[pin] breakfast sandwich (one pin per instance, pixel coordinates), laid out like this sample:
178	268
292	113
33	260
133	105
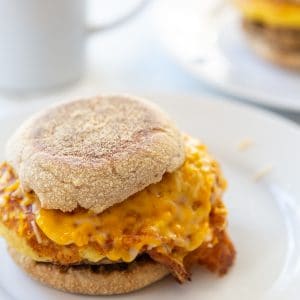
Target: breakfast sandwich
273	29
106	196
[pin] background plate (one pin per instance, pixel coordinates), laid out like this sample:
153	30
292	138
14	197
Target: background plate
205	38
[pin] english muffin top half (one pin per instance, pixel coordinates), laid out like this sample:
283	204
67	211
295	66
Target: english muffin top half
94	153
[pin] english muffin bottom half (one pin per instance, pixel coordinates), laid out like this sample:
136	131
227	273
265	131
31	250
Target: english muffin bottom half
273	29
106	196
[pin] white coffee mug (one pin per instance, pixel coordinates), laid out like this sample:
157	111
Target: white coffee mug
42	42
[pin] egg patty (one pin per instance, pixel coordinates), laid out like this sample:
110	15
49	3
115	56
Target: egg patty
177	222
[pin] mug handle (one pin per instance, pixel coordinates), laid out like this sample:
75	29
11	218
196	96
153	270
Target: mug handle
118	21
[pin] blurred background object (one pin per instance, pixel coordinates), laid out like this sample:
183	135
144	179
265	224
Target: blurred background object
43	42
273	29
178	46
206	38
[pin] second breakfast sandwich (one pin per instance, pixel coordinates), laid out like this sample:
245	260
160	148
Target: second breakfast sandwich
105	196
273	29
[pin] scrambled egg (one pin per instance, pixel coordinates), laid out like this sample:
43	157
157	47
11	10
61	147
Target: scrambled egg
274	13
172	218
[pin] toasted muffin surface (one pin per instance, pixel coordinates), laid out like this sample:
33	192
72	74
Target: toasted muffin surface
84	280
94	153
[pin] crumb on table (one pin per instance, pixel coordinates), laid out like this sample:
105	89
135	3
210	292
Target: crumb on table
262	172
245	144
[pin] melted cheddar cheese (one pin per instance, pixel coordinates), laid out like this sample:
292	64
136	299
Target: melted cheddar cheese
173	213
275	13
171	216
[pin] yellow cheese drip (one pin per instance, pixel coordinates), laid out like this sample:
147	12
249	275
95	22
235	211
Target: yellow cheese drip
282	14
171	213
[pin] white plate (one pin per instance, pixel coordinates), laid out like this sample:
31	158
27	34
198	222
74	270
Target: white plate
206	39
264	219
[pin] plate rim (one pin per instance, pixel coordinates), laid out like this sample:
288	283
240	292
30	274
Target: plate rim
264	112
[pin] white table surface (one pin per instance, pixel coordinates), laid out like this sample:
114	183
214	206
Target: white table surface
126	59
